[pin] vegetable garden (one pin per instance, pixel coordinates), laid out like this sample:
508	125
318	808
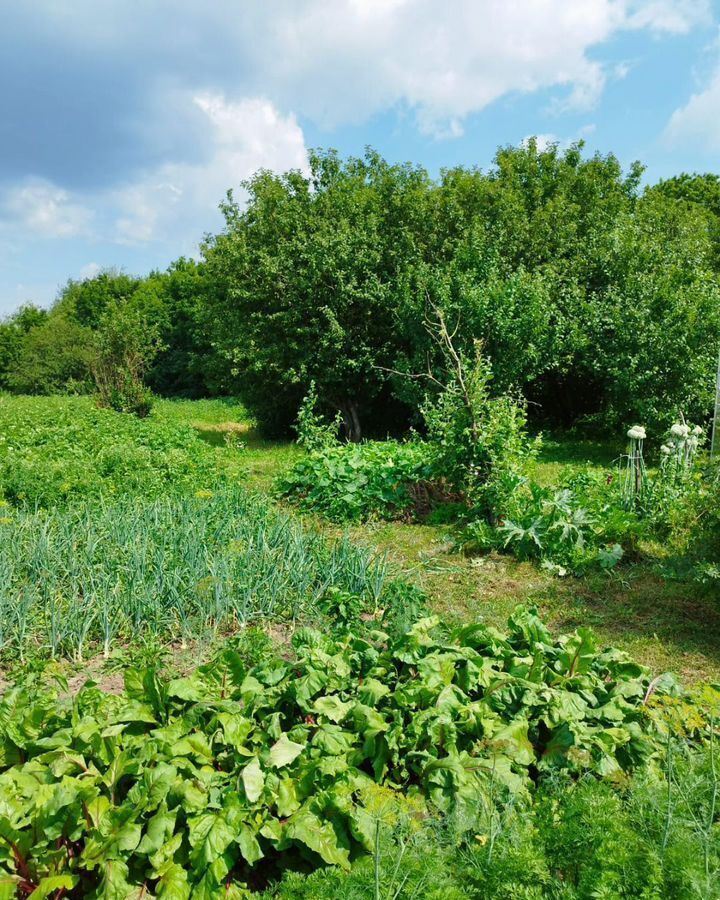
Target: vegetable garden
247	652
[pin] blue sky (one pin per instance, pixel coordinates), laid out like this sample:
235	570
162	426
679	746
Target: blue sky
122	124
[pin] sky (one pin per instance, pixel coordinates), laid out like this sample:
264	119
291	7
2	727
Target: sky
124	122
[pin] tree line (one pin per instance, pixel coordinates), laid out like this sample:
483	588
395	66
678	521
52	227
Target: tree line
595	298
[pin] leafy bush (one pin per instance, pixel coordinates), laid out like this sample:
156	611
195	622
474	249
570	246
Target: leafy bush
357	481
99	574
570	528
203	783
475	450
54	357
480	441
126	343
54	449
313	430
694	525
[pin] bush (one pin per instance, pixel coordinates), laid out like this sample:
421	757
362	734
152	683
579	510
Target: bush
126	343
480	442
694	524
54	357
358	481
313	430
570	528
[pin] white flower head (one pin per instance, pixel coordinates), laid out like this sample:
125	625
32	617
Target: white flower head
679	430
697	430
665	450
637	433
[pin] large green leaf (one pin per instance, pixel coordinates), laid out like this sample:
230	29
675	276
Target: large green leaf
283	752
253	780
52	884
305	827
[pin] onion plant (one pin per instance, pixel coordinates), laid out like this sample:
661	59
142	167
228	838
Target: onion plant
82	579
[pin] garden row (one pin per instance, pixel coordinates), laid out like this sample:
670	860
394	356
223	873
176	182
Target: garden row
490	755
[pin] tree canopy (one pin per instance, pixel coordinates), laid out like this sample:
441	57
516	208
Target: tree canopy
595	298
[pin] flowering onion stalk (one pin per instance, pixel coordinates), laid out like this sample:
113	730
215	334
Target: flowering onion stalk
679	451
634	478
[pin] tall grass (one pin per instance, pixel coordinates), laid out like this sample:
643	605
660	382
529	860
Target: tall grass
180	568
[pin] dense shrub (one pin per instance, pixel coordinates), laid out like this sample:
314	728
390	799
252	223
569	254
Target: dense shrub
695	525
54	357
593	300
358	481
126	342
207	782
12	335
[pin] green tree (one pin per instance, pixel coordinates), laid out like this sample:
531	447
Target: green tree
12	334
701	192
176	300
86	301
307	280
55	357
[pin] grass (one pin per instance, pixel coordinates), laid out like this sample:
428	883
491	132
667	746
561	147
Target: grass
665	624
668	625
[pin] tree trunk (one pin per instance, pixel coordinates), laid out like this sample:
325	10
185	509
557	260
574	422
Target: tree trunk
351	420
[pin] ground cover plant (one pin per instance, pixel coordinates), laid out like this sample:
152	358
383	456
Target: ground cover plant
227	777
53	449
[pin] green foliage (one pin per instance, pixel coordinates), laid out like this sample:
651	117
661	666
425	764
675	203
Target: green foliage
694	525
54	449
171	306
86	302
305	275
595	301
566	530
358	481
200	784
480	442
476	449
54	357
126	343
186	569
12	334
313	430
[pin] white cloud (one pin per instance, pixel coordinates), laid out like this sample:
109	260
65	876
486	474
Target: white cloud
174	201
670	16
342	61
698	122
42	209
244	136
90	270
